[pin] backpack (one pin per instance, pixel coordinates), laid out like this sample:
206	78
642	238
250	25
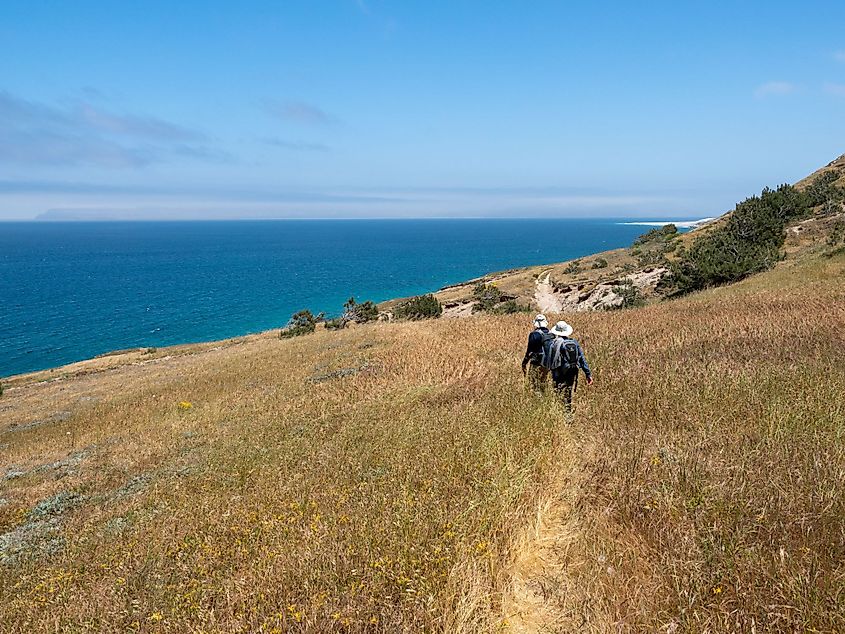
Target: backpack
537	357
560	354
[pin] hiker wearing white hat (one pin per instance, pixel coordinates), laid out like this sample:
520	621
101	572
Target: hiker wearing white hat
532	362
563	357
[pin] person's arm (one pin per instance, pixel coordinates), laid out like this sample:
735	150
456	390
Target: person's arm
527	355
582	363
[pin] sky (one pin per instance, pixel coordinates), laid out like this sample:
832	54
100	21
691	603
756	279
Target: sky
370	108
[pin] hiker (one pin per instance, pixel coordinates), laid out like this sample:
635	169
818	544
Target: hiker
532	362
563	357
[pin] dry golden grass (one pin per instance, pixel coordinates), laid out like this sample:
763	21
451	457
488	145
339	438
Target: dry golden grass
717	461
266	493
699	488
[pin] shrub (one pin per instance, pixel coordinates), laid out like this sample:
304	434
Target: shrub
630	294
486	297
301	323
600	263
573	267
651	247
651	258
823	189
359	313
509	307
334	324
836	237
749	241
831	207
2	389
657	235
421	307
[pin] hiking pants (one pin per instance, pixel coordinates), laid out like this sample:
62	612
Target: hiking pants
564	381
537	377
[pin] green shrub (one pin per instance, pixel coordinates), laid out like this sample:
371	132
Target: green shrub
486	297
630	294
831	207
657	235
651	258
600	263
573	268
421	307
837	234
823	189
334	324
2	389
301	323
359	313
749	241
509	307
651	247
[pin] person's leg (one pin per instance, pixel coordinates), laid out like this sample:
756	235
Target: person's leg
537	377
563	382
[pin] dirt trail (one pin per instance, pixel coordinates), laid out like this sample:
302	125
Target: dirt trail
548	300
543	594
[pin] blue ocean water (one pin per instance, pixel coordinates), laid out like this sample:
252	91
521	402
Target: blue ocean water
70	291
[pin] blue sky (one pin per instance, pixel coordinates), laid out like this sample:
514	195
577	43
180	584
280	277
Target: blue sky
373	108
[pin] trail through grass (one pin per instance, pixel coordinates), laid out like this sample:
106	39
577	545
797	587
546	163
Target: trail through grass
388	478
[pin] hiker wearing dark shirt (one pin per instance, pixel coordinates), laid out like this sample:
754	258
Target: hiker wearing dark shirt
532	362
564	357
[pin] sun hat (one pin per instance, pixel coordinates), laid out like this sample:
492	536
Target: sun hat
562	329
540	321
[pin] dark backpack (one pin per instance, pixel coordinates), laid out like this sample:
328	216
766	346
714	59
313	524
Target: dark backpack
537	357
560	354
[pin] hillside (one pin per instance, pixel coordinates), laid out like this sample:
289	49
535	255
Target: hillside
398	476
600	281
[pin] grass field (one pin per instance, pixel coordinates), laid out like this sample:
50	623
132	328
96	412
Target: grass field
397	477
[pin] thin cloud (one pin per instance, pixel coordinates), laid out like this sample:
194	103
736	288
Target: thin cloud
46	147
839	56
774	88
834	89
298	112
135	126
300	146
82	134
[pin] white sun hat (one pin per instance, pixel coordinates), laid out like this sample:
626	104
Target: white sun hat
562	329
540	321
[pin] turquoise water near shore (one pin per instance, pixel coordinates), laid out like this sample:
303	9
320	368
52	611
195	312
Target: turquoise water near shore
70	291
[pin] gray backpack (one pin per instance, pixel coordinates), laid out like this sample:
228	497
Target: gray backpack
560	354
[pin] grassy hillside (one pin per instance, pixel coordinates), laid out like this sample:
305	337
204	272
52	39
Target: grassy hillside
397	477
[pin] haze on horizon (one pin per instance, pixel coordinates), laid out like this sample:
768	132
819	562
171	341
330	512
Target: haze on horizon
374	108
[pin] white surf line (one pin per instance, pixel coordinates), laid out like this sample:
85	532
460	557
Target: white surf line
681	224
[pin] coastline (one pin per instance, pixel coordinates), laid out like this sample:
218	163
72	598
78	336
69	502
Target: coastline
519	282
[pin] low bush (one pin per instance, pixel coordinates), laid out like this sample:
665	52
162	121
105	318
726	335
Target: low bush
658	235
749	241
421	307
486	296
630	294
511	306
573	268
301	323
823	189
600	263
359	313
334	324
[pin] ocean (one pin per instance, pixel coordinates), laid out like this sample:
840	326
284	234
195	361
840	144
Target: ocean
70	291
